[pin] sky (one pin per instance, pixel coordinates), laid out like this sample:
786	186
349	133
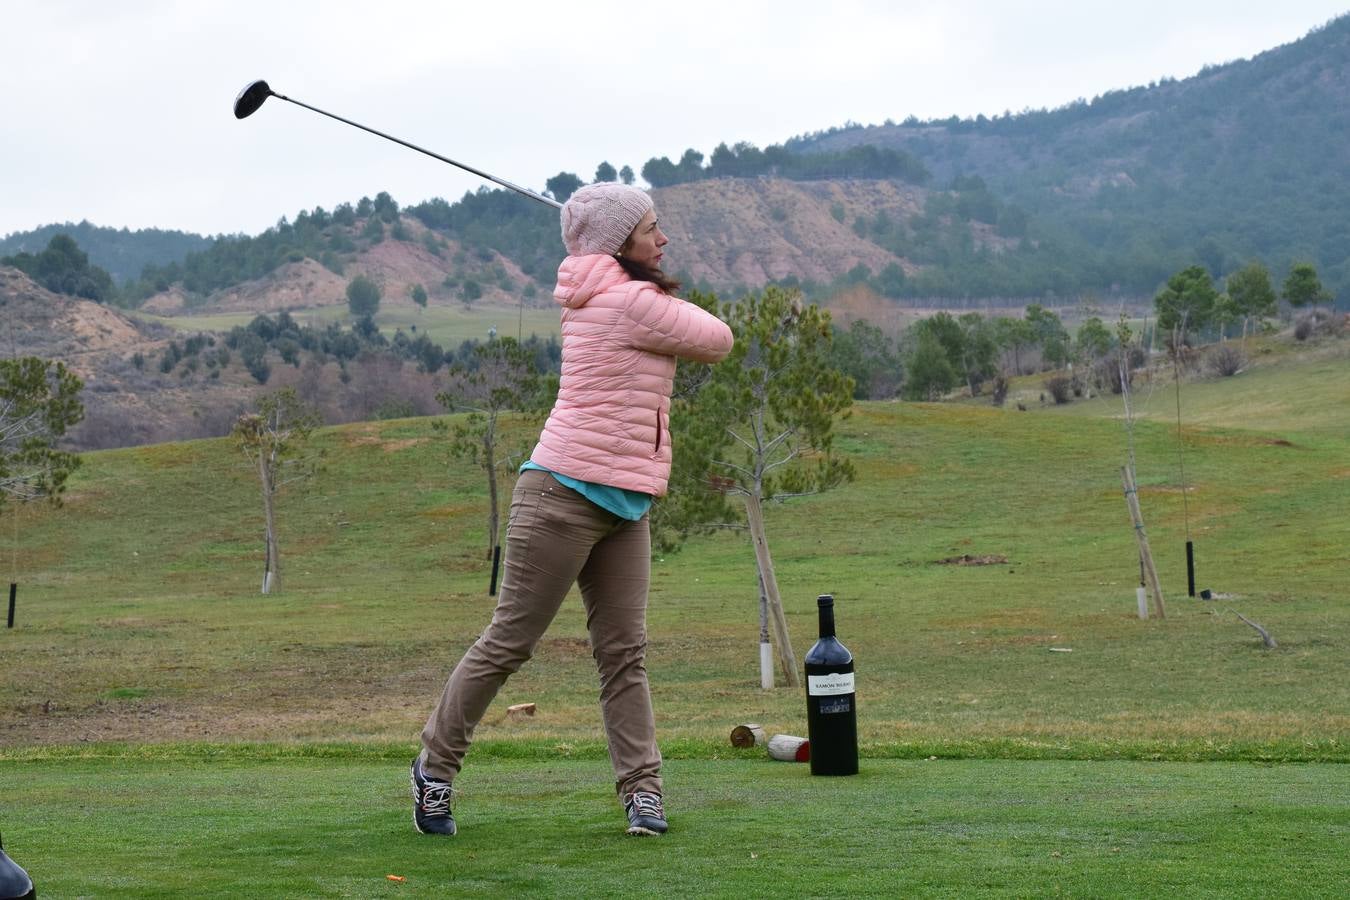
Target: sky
120	113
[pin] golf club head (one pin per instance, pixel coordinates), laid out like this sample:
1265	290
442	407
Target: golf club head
250	98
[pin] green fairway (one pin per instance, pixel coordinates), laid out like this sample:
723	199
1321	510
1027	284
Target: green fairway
445	324
216	826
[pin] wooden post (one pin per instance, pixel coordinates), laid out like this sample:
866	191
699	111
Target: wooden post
1145	555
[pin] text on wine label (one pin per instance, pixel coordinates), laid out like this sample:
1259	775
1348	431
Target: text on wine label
826	685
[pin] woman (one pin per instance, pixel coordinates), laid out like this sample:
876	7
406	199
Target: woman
579	510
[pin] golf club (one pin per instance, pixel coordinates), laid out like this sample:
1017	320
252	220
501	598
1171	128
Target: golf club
256	93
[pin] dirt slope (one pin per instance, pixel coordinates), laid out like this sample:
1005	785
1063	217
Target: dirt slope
750	231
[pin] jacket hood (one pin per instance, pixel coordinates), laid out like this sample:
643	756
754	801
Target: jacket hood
582	277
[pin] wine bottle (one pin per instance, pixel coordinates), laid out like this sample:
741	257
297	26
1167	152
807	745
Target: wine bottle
831	710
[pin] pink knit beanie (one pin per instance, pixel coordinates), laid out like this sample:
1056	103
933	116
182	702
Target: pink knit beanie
599	217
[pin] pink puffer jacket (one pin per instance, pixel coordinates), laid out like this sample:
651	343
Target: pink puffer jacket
620	340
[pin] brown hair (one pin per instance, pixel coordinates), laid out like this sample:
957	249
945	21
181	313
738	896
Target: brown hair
639	272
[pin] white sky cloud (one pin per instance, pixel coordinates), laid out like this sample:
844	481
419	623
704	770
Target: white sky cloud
119	113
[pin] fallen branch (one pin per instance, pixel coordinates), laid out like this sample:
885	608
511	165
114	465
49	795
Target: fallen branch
1265	635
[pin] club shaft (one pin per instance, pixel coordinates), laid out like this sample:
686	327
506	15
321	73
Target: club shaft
481	174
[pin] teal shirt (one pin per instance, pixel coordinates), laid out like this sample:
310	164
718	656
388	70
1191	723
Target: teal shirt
632	505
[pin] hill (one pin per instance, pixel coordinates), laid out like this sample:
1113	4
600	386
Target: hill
120	252
126	401
1236	162
145	382
748	232
308	263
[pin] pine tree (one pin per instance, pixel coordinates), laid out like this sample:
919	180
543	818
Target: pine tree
761	425
1252	295
39	401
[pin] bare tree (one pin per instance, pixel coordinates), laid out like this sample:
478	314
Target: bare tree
274	439
502	376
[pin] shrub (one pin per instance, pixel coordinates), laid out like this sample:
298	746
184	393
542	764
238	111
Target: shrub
1226	360
1106	371
395	409
1060	388
1318	321
999	389
329	260
1186	358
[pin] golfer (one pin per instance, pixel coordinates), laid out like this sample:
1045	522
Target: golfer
579	509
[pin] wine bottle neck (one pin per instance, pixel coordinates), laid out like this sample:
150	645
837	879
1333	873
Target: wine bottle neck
827	621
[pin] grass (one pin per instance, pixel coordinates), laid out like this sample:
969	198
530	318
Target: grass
1283	388
221	826
140	620
448	324
149	691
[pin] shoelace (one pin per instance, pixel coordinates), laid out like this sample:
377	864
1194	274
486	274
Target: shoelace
436	798
645	803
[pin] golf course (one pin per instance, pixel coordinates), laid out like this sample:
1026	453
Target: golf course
166	730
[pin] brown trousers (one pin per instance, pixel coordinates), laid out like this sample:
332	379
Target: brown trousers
554	538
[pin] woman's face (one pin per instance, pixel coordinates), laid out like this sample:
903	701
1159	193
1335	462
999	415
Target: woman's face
644	244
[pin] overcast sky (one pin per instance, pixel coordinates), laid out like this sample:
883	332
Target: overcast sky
120	113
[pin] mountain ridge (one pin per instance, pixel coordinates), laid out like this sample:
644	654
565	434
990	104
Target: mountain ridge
1108	197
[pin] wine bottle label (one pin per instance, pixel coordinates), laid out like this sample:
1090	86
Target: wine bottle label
827	685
